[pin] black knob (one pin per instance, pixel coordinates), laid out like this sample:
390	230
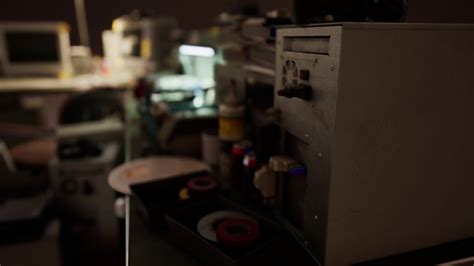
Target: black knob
301	91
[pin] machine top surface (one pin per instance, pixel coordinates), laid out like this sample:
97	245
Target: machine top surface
377	25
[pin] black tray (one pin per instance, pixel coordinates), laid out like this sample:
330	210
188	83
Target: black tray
158	197
275	246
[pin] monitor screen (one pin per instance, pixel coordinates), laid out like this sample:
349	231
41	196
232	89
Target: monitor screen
28	47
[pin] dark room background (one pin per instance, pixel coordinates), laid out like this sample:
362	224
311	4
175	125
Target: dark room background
195	14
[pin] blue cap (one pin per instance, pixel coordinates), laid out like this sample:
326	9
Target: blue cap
299	170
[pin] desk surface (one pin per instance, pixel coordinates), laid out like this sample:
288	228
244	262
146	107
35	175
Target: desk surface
79	83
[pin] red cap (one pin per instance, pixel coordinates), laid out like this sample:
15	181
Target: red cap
238	149
250	160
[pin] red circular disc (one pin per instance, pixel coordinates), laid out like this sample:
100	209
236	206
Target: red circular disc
205	183
237	233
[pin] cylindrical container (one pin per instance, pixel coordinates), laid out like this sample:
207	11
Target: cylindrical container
231	122
211	147
250	167
225	164
238	153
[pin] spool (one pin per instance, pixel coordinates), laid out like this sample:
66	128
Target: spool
237	233
202	186
206	227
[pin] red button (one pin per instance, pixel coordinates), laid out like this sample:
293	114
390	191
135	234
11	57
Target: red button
304	74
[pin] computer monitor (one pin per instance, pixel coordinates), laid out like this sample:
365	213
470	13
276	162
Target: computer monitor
150	39
35	48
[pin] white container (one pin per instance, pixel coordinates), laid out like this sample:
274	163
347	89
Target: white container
211	146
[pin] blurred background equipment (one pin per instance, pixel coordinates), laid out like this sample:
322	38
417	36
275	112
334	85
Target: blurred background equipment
143	41
35	48
27	214
198	61
81	59
82	26
88	147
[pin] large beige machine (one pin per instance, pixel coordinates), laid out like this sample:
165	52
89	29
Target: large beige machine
383	117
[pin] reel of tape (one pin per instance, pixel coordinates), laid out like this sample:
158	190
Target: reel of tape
238	233
202	186
208	224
